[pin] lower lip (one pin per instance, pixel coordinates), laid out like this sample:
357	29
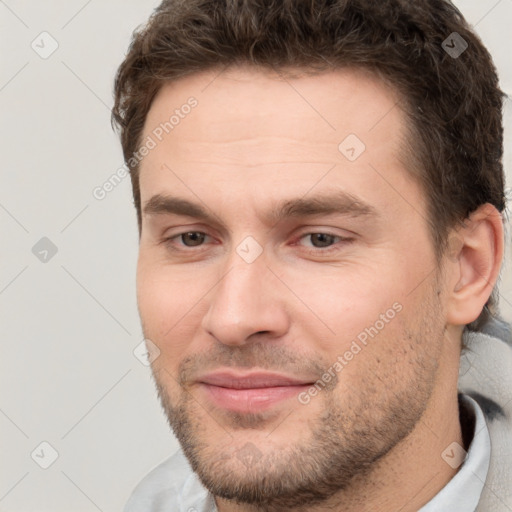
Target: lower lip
250	400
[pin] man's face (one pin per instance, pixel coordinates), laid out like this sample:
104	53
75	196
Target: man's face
249	308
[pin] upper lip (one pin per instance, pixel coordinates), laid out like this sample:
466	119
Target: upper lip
230	379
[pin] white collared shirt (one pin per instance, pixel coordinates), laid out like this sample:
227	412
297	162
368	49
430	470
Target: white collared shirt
462	492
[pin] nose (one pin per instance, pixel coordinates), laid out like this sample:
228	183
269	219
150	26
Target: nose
248	300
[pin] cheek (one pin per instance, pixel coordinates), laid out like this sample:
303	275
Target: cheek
170	309
344	304
379	363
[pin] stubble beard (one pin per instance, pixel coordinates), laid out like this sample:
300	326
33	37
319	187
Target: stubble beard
344	441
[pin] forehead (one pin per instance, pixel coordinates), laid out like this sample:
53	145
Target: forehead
276	133
251	103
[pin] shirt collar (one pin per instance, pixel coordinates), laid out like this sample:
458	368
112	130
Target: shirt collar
463	491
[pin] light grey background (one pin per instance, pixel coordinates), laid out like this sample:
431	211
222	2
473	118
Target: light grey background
68	375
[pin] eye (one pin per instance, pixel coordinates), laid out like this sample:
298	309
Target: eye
188	239
323	242
194	237
322	239
320	242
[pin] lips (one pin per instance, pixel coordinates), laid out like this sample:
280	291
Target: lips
252	380
250	392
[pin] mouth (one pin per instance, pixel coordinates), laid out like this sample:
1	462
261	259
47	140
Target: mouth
250	392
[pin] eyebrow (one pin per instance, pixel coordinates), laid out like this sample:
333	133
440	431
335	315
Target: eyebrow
330	203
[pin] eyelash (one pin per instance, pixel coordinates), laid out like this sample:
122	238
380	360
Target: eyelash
169	242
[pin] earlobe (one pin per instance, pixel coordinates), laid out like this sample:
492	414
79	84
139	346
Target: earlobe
476	256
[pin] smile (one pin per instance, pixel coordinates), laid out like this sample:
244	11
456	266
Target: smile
250	393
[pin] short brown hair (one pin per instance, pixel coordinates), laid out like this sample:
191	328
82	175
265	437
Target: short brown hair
452	102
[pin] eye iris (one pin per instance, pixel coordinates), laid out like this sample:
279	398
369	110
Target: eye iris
194	236
324	239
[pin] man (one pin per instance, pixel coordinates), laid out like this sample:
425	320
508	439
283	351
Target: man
319	193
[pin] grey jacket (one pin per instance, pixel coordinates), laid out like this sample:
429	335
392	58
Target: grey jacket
486	376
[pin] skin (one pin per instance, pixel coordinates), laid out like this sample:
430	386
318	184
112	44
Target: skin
372	439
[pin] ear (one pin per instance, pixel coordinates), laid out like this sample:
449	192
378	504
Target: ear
474	263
